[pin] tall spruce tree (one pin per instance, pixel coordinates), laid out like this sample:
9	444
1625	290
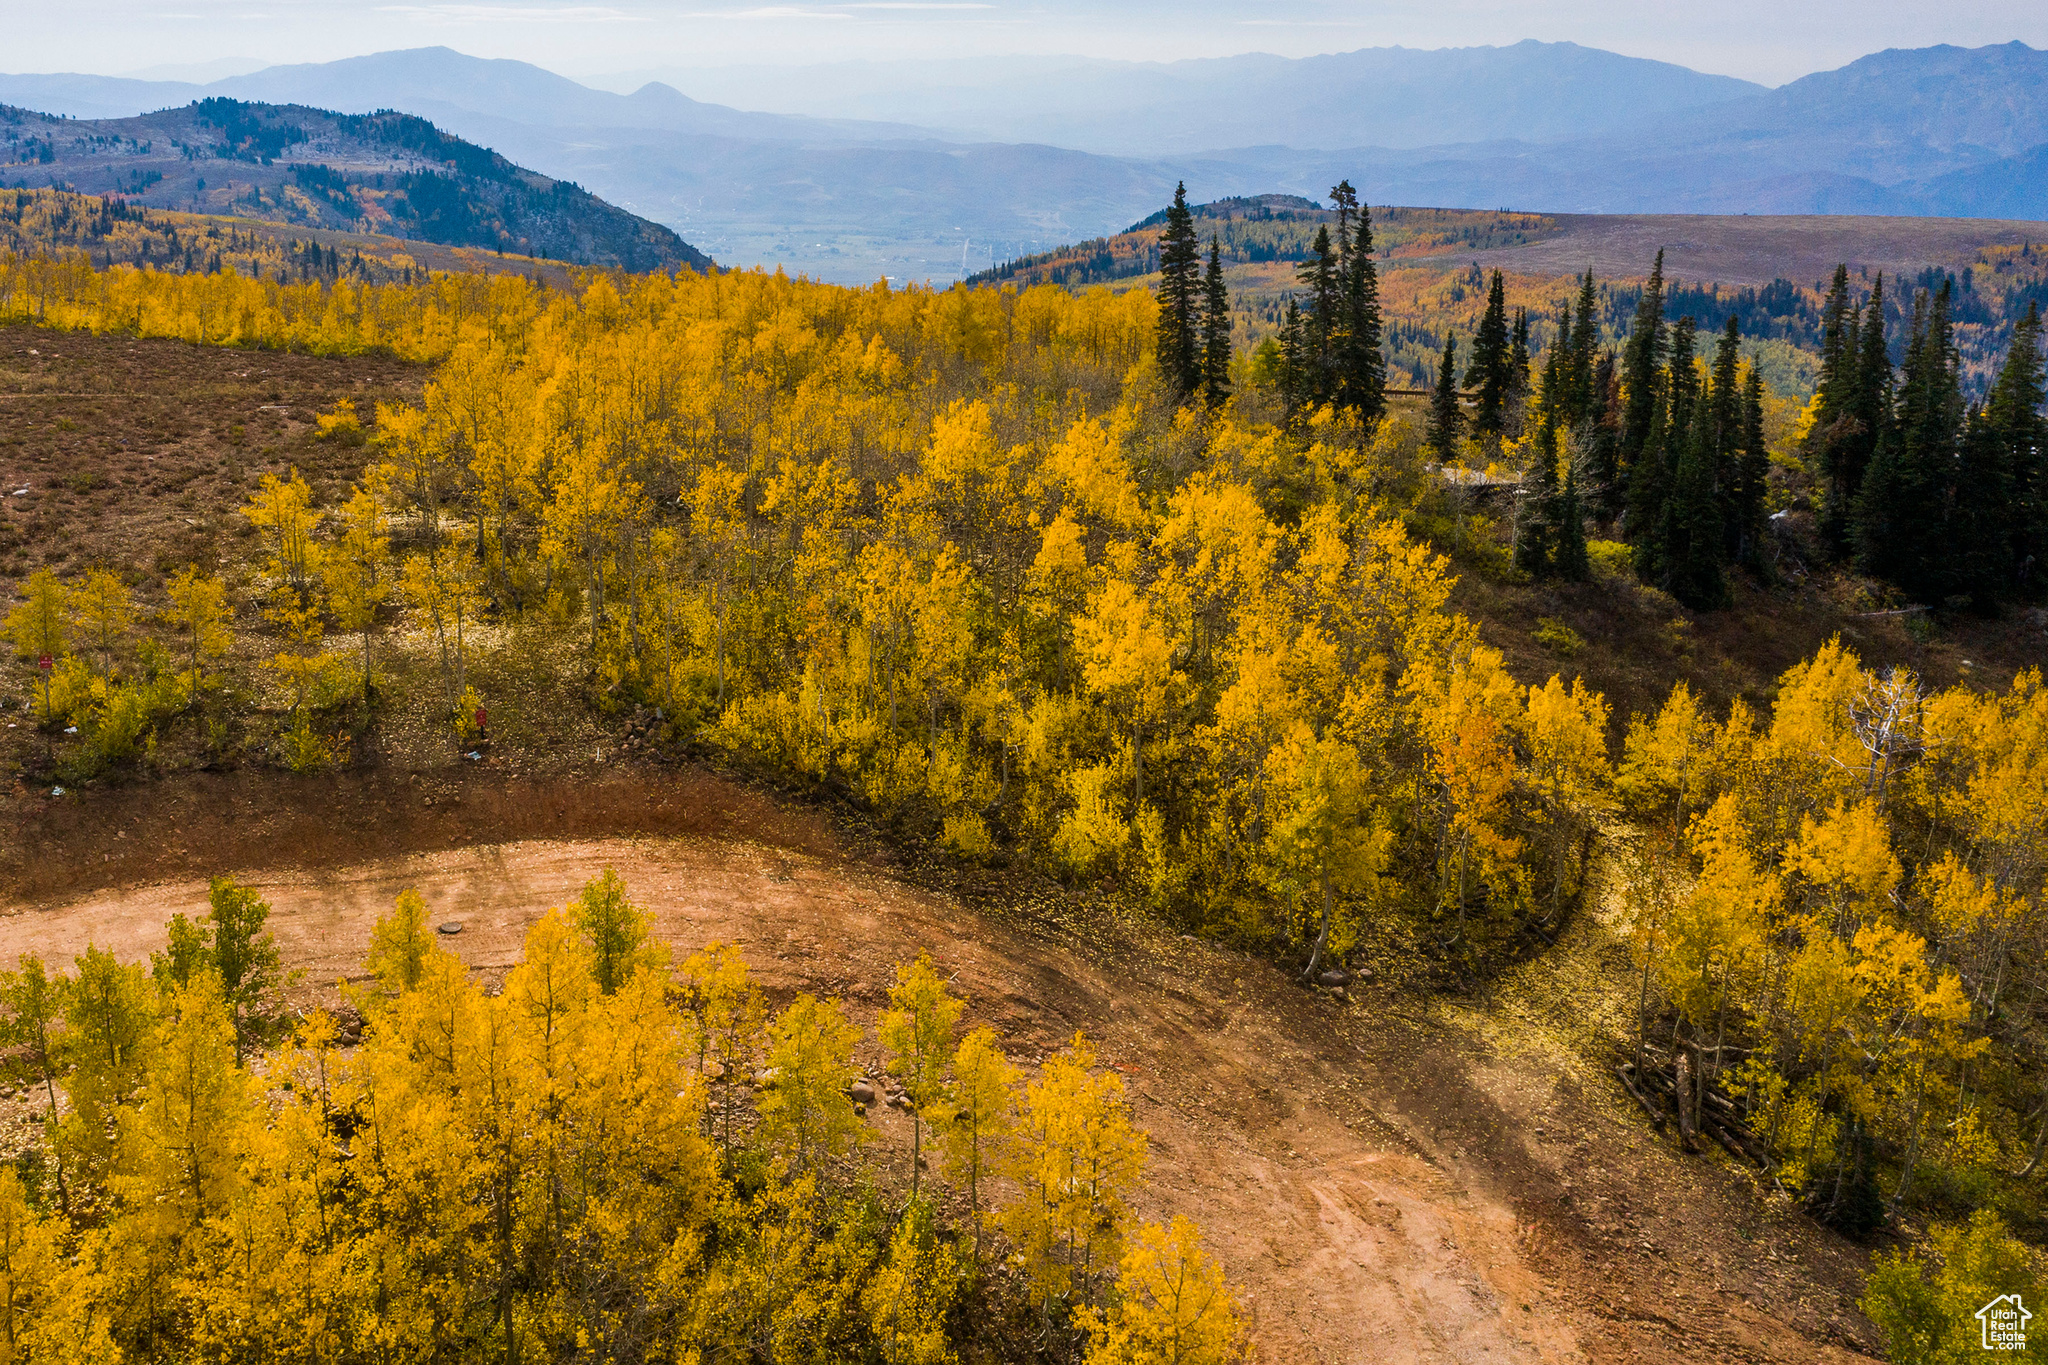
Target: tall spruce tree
1537	509
1582	349
1694	522
1446	420
1362	384
2018	424
1641	357
1603	437
1568	558
1899	518
1977	563
1486	374
1753	468
1321	336
1870	414
1215	331
1180	296
1518	376
1654	511
1724	435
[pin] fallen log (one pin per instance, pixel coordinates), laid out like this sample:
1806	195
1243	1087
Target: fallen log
1651	1108
1686	1094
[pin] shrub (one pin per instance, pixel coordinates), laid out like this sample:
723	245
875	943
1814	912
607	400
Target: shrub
1557	637
1611	558
340	424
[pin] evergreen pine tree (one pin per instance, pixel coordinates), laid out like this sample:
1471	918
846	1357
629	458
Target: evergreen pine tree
1898	525
1215	331
1603	437
1320	321
2014	414
1180	285
1724	437
1693	517
1977	563
1293	367
1831	437
1537	510
1641	357
1582	354
1445	418
1362	383
1753	467
1487	371
1568	554
1518	376
1869	418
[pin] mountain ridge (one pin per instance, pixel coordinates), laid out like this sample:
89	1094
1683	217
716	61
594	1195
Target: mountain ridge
315	168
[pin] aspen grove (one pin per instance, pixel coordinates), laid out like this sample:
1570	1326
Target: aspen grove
965	559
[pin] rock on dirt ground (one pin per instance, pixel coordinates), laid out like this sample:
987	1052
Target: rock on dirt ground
1381	1181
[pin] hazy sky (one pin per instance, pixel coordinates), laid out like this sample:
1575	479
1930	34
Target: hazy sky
1764	40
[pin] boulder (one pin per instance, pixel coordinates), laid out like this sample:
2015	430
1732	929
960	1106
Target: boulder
862	1093
1333	978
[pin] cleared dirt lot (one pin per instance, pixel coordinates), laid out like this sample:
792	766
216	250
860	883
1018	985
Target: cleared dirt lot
1388	1180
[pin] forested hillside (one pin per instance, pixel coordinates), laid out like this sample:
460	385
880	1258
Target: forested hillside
1432	286
1062	585
382	173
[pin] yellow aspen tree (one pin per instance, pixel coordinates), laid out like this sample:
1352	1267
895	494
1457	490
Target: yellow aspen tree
109	1017
1127	658
27	1269
283	508
731	1012
1565	735
1076	1157
1715	940
418	464
187	1147
102	613
199	614
445	589
358	569
34	1005
1324	833
917	1029
616	932
718	520
910	1293
979	1113
1172	1306
805	1113
1665	760
1475	772
37	626
400	943
1846	863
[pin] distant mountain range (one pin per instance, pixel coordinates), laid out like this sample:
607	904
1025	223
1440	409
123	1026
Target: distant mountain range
388	173
951	166
1383	97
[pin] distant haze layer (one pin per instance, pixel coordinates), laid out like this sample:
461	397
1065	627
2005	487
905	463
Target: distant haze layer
932	170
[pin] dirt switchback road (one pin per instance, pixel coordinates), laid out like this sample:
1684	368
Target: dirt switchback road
1382	1184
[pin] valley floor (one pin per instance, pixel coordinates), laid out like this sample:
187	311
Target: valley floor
1390	1179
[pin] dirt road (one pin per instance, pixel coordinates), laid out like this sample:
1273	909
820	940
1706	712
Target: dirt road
1382	1183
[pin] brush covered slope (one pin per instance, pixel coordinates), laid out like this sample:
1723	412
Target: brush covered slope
384	173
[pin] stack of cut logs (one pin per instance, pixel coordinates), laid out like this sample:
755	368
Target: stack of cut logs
1675	1089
